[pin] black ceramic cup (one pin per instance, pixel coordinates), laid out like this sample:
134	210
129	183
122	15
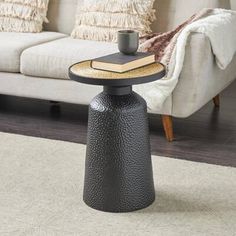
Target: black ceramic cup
128	41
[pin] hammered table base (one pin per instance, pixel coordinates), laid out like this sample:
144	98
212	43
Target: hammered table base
118	171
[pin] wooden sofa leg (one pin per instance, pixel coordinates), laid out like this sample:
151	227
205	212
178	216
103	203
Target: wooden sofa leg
168	127
216	101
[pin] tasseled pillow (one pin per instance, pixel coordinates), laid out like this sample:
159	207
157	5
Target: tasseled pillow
101	19
23	15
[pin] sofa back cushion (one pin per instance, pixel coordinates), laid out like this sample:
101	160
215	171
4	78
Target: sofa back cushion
61	15
170	13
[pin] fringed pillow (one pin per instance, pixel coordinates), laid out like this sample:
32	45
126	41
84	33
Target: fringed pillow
101	19
23	15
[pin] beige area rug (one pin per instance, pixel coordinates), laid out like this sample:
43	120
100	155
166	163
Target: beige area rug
41	183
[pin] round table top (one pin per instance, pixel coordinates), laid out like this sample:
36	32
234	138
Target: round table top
84	73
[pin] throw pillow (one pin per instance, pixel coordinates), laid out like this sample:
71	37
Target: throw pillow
101	19
23	15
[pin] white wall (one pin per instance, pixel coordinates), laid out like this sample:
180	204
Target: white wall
233	4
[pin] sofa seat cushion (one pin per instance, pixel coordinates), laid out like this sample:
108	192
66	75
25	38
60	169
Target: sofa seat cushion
53	59
13	44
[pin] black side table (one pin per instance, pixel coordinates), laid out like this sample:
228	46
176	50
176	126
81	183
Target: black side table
118	169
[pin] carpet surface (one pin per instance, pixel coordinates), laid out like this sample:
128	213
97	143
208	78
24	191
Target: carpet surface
41	184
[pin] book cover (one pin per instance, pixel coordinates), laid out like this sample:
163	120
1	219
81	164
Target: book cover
120	63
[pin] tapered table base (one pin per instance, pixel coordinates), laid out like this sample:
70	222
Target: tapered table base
118	172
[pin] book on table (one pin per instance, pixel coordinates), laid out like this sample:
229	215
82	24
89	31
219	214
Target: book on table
121	63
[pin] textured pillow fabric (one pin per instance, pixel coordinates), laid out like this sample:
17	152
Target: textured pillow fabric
23	15
101	19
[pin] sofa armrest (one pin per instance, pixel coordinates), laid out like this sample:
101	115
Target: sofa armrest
201	79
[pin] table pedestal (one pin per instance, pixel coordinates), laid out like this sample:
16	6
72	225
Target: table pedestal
118	172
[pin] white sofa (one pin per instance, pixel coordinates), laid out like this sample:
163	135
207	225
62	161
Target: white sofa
36	65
